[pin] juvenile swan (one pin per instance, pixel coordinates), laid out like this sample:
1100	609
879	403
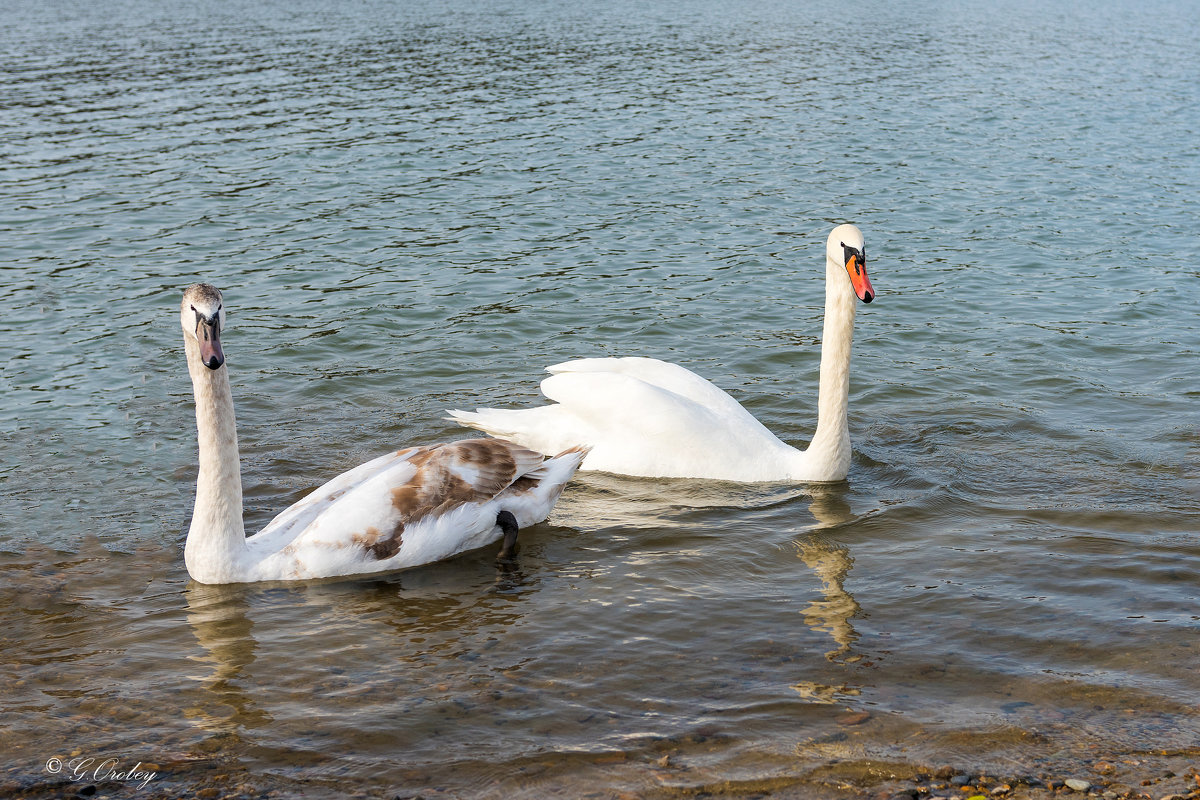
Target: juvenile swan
406	508
642	416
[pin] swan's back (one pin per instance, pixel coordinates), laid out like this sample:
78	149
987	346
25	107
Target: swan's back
663	374
639	416
410	507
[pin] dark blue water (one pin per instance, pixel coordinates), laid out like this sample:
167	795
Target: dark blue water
414	207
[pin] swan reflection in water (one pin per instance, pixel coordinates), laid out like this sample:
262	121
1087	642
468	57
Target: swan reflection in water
219	619
832	563
600	500
433	611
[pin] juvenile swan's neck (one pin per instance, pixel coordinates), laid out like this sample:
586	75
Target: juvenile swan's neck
216	542
828	455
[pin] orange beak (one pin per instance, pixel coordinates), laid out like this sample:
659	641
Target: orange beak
857	269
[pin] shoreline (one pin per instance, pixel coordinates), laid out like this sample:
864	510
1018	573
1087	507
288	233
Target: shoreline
1169	775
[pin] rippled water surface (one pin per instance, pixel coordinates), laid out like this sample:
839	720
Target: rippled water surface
414	207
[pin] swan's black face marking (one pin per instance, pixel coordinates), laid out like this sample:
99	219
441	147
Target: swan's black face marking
860	258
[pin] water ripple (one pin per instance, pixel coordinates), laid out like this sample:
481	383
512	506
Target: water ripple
418	207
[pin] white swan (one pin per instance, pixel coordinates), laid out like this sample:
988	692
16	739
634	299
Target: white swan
400	510
641	416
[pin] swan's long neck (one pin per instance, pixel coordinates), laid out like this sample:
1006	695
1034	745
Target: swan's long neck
216	542
828	455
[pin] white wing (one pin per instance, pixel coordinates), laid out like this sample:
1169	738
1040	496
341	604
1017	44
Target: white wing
639	416
300	515
407	508
665	375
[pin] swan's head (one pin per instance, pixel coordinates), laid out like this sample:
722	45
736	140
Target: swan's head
845	246
202	317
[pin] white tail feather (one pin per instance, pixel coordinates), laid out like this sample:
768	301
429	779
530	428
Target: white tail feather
536	428
480	420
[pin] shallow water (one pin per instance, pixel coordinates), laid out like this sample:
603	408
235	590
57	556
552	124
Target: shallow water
413	208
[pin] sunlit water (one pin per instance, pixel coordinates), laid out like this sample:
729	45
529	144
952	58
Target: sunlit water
417	207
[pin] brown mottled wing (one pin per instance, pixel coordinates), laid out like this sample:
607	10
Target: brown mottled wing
454	474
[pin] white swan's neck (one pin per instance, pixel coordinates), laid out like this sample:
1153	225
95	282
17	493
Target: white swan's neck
828	455
216	542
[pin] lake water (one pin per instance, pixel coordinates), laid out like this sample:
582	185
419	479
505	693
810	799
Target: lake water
417	206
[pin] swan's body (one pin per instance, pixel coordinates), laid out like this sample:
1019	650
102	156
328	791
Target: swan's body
641	416
403	509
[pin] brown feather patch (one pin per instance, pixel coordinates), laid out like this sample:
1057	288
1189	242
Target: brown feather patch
524	485
449	476
379	546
